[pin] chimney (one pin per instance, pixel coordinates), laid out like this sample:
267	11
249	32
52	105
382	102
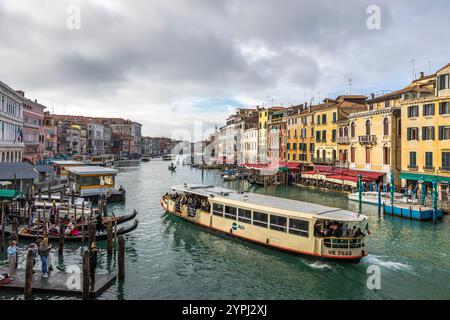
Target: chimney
372	95
422	74
20	92
35	100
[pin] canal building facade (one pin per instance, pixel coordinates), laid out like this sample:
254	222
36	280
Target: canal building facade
426	136
11	125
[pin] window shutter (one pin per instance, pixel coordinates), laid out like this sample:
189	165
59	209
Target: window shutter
432	133
408	134
441	133
441	108
424	133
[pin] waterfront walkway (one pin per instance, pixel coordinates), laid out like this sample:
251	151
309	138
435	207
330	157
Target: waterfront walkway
56	284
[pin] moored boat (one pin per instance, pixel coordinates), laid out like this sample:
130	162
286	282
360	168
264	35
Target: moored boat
371	197
145	158
282	224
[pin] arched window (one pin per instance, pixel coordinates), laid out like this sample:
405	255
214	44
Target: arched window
346	132
368	128
386	127
353	130
324	154
334	155
341	132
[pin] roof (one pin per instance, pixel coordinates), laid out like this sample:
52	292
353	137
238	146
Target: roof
18	170
44	168
91	170
444	67
10	194
67	162
265	203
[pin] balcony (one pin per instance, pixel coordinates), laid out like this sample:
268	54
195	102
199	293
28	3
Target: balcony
412	167
367	139
428	168
343	140
322	160
445	169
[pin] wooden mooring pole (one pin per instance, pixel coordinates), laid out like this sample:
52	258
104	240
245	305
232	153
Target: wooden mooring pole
109	238
92	231
62	233
2	244
86	275
29	275
121	258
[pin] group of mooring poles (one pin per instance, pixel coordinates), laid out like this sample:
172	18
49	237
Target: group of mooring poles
112	237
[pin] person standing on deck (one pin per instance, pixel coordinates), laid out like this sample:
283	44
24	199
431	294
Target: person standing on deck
44	250
12	259
93	264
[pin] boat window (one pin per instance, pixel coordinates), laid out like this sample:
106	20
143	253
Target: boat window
245	216
299	227
90	181
108	180
278	223
260	219
218	209
230	212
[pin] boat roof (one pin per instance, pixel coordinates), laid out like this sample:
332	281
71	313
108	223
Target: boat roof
91	170
67	162
264	202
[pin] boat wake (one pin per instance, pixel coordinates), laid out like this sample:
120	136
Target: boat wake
377	260
319	265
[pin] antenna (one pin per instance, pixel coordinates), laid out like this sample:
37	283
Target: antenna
429	67
413	61
350	85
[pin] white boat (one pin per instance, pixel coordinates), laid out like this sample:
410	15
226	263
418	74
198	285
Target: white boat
287	225
168	157
371	197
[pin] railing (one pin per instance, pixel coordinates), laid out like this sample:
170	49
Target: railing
428	168
447	169
412	167
367	139
322	160
343	140
343	243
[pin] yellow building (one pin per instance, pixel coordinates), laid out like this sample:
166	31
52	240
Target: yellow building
375	134
325	118
426	136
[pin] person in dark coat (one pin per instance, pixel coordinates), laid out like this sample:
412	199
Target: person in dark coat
93	264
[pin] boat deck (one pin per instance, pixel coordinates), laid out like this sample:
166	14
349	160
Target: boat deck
56	283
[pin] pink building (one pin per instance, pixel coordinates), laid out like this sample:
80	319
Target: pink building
33	129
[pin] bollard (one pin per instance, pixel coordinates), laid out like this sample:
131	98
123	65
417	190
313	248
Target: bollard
109	238
86	275
29	275
121	258
62	229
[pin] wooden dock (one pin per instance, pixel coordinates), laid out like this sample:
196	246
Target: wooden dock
56	283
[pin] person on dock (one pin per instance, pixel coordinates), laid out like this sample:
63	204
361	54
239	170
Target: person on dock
99	221
93	264
12	259
44	250
53	213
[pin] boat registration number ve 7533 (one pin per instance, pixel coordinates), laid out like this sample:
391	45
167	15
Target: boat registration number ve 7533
340	252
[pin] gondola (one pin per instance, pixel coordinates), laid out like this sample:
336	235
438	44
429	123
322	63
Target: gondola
79	238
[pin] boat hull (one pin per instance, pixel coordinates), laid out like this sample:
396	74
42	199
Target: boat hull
232	235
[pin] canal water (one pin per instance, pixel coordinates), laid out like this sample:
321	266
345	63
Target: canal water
167	258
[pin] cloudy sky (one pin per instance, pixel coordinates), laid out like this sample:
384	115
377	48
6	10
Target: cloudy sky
173	64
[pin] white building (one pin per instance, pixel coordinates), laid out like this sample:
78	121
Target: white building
250	146
11	125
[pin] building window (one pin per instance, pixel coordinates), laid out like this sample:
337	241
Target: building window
299	227
386	155
446	161
444	133
427	133
324	136
352	155
353	130
367	155
245	216
333	135
260	219
444	108
429	159
324	119
443	82
334	117
278	223
317	136
428	109
412	159
368	128
413	111
412	134
311	147
386	126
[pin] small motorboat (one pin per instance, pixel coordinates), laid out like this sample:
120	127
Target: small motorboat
172	167
145	158
371	197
